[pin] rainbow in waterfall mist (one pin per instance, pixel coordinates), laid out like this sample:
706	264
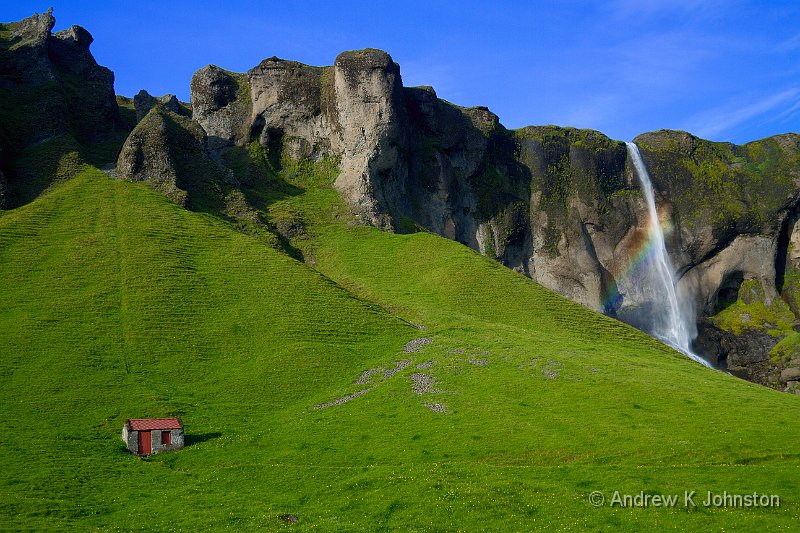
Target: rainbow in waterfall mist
639	252
651	276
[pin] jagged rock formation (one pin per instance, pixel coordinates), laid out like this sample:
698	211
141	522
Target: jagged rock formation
143	102
352	110
54	80
50	86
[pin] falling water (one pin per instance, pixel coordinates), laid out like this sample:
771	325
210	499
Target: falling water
671	324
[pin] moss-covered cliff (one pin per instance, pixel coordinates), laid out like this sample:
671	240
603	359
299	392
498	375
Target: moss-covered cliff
720	190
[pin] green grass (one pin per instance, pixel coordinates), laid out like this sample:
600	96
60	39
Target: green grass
116	303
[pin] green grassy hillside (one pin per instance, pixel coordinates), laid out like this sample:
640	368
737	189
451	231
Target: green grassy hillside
493	404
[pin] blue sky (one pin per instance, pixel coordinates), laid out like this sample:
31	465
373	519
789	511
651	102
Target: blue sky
724	70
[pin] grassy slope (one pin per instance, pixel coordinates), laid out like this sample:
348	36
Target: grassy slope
116	303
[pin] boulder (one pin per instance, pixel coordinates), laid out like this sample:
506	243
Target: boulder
790	374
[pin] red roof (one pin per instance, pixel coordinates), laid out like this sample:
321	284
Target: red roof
147	424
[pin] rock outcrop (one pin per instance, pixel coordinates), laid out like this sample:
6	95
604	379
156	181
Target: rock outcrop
371	134
222	105
54	80
168	151
353	111
291	107
50	86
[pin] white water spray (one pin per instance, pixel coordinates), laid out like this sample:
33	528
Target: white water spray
673	323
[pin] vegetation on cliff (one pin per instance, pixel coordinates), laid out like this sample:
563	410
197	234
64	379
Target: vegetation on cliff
739	189
751	310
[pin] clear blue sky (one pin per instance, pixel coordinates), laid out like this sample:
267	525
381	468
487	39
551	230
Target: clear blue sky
724	70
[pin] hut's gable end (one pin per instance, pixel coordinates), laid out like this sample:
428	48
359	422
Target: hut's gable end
129	437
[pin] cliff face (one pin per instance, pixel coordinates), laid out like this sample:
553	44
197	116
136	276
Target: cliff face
560	205
353	110
730	203
735	211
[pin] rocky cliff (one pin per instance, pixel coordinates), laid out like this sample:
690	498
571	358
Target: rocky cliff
50	88
353	110
560	205
734	210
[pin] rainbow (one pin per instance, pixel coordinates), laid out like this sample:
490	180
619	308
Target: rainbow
639	251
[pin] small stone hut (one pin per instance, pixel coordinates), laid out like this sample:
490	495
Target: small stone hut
146	436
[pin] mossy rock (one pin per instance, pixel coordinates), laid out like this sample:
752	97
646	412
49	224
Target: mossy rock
735	189
752	311
569	165
787	351
168	151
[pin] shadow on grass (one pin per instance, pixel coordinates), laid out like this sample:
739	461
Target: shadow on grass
191	440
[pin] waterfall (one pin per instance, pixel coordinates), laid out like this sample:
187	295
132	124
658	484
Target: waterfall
670	322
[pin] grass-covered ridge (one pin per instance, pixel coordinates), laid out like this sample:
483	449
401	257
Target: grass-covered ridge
117	303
